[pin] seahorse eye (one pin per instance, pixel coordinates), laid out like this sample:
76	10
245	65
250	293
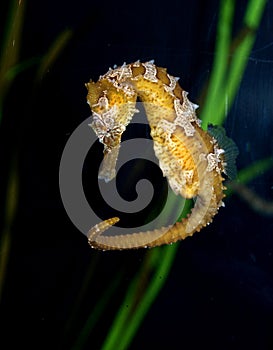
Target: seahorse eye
107	138
111	139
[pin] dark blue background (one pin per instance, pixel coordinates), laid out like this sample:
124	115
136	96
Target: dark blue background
220	290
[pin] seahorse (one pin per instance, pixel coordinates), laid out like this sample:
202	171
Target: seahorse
191	158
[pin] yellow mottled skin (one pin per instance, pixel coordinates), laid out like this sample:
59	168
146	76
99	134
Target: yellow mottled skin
189	157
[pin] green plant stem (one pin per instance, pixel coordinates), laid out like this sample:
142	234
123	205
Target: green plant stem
226	74
10	212
134	308
53	52
241	54
217	77
96	313
10	47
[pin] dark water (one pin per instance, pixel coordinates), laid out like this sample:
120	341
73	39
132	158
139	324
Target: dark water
219	293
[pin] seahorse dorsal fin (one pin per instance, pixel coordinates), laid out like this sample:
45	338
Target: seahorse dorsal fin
230	148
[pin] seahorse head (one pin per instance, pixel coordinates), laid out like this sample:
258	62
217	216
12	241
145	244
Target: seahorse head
112	106
109	106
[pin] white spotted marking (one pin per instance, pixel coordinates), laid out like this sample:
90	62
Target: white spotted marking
150	72
169	88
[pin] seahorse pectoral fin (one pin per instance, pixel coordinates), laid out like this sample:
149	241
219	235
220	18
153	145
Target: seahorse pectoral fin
230	149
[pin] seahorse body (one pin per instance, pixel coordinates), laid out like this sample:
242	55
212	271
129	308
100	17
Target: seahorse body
189	157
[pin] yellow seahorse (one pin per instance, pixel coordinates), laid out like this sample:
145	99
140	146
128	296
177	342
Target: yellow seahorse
192	159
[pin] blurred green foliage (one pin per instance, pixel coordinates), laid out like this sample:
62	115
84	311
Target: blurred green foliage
231	55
